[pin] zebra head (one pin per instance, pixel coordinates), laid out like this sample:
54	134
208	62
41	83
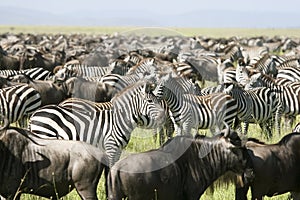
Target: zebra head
255	81
138	106
151	113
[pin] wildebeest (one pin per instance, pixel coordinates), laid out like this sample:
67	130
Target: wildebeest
50	92
275	167
94	91
181	169
48	168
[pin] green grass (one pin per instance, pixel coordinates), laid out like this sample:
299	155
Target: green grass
208	32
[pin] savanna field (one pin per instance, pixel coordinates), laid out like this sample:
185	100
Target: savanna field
141	139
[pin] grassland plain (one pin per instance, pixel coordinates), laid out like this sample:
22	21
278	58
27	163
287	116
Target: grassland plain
142	140
209	32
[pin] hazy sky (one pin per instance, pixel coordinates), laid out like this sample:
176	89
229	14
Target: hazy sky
59	6
282	11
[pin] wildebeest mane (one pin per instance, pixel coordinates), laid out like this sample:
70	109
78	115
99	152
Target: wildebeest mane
27	134
287	138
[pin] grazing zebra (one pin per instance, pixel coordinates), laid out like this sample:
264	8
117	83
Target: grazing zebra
82	71
259	105
16	102
192	111
289	96
108	129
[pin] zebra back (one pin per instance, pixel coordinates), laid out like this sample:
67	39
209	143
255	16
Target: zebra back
18	100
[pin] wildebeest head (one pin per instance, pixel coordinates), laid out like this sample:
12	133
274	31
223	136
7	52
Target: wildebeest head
227	145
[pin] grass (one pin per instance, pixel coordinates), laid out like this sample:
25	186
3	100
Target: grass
208	32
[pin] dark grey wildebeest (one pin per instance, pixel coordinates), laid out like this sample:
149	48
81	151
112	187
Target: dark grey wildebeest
275	167
47	168
181	169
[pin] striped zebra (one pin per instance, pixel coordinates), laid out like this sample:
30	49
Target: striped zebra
145	65
83	105
81	71
232	52
192	111
17	102
289	73
288	95
120	82
226	71
108	129
259	105
36	73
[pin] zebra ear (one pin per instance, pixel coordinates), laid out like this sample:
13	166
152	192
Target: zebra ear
149	87
228	88
227	130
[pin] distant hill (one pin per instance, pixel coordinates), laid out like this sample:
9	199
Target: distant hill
201	18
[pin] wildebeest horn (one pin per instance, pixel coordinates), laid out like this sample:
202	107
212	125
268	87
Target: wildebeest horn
227	130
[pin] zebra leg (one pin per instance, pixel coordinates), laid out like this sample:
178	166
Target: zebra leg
278	115
246	125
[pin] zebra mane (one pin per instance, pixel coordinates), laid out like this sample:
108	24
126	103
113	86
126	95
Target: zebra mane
264	77
133	87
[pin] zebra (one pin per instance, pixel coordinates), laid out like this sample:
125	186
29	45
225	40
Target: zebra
18	101
289	73
120	82
288	94
145	65
212	89
226	72
259	105
189	111
83	105
107	129
36	73
82	71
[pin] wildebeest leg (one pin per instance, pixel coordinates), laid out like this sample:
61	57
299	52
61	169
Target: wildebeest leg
295	195
241	192
106	172
86	183
87	192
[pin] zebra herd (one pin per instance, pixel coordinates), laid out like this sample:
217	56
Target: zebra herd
162	91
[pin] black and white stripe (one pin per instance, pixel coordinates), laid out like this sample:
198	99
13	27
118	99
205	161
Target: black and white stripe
259	105
289	96
81	71
108	129
18	101
36	73
192	111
